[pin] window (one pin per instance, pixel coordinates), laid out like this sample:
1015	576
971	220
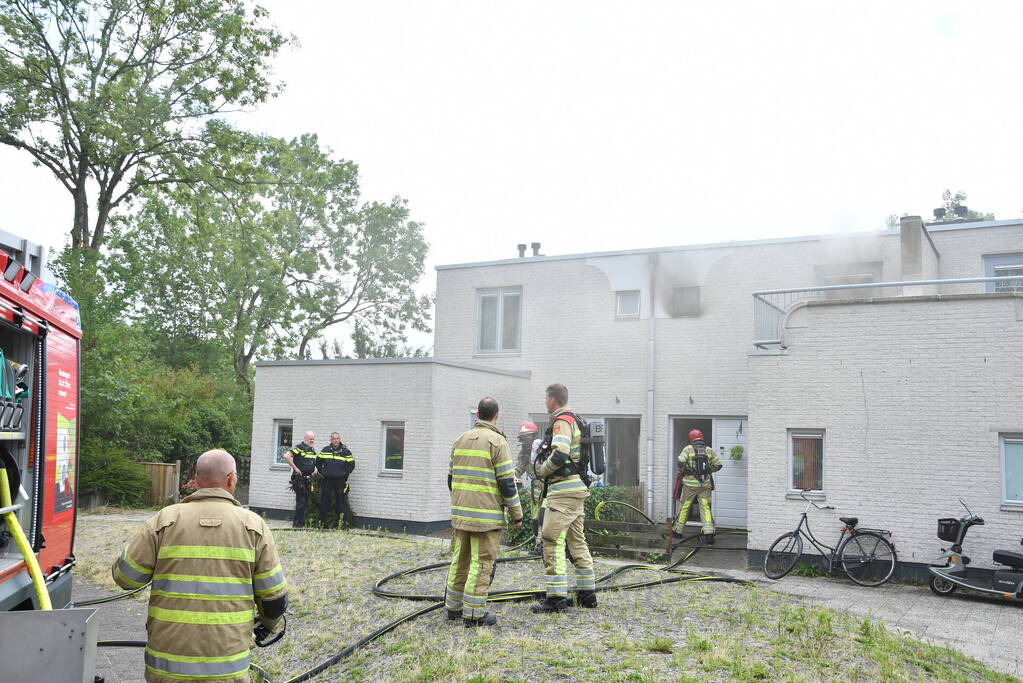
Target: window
394	446
1012	468
283	439
627	304
850	274
1004	265
498	316
806	458
685	302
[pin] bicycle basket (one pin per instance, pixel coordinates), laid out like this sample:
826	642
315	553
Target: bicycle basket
948	529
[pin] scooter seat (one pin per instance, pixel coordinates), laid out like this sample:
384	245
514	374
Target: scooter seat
851	521
1009	558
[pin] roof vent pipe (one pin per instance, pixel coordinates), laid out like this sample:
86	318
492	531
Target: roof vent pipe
536	248
522	250
939	215
961	211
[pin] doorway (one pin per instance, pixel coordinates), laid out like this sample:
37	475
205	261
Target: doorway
729	500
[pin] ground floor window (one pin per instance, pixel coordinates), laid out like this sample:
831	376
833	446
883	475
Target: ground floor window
394	446
283	439
806	460
1012	468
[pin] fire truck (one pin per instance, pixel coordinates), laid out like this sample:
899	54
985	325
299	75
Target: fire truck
40	333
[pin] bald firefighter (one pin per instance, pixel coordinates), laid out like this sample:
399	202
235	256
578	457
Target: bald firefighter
209	560
697	464
563	509
481	478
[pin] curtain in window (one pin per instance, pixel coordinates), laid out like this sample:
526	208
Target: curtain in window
807	463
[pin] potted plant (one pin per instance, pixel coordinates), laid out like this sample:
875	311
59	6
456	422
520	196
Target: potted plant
737	452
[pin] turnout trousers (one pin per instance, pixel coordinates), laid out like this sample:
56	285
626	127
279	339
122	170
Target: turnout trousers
701	495
563	528
472	569
333	494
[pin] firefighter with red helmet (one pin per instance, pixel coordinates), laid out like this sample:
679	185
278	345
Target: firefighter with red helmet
696	466
528	433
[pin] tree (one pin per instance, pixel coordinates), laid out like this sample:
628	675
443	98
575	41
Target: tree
367	347
111	95
261	267
953	201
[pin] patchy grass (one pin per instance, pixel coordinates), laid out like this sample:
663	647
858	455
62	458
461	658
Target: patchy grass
683	631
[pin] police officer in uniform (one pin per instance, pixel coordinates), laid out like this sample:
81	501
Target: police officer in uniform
696	464
302	459
563	514
334	463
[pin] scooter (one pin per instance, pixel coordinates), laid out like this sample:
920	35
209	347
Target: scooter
950	570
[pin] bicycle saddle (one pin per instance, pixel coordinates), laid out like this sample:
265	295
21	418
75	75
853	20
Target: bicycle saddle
851	521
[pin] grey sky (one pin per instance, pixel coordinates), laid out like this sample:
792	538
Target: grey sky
598	125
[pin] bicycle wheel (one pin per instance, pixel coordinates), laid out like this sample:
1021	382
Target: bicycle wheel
867	558
783	554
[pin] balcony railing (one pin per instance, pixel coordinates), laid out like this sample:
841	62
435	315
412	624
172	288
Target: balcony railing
770	306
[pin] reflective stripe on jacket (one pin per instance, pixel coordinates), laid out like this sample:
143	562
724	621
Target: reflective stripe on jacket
567	438
335	463
688	455
304	457
480	467
210	561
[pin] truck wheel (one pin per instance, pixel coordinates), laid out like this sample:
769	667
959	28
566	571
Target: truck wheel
941	586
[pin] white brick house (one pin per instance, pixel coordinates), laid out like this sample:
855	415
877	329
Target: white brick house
661	340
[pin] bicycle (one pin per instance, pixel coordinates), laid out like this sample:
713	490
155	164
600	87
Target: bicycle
865	555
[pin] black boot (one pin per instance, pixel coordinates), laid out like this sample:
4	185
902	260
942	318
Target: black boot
487	619
453	614
587	599
710	539
550	604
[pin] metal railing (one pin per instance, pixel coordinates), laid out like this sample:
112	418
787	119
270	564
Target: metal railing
770	306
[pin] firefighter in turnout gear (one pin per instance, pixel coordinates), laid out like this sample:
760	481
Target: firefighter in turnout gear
209	560
696	465
334	463
563	513
482	483
302	459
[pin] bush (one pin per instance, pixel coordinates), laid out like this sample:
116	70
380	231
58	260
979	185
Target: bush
113	474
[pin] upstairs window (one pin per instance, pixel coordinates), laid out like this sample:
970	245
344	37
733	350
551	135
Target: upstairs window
685	302
850	274
498	320
1004	265
627	304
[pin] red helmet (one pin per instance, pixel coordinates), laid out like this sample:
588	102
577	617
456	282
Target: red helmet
696	435
527	427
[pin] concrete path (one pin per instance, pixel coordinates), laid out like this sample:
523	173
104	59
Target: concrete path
118	620
985	629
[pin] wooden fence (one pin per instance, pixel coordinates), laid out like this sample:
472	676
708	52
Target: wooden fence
163	482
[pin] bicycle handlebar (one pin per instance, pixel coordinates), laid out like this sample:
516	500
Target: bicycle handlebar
802	494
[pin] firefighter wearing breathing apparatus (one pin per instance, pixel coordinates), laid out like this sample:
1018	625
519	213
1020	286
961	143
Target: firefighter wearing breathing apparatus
481	479
562	511
696	465
302	459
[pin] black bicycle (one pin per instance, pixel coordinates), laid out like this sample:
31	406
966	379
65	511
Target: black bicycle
865	555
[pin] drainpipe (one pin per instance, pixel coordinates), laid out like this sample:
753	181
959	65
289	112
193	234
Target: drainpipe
650	376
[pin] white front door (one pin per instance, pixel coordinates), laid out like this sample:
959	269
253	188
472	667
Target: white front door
729	499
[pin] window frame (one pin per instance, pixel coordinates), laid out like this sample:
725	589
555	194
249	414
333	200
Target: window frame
677	291
384	426
1004	438
806	433
618	304
501	293
992	262
277	461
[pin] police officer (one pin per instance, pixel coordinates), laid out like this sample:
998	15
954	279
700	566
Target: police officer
208	559
482	483
334	463
563	515
302	459
696	464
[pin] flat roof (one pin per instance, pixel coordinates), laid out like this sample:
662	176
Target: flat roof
931	227
396	361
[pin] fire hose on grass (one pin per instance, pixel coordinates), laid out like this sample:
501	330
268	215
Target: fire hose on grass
675	575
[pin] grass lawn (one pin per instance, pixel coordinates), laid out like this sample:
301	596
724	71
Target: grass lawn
682	631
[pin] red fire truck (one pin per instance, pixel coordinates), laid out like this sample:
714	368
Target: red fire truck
40	334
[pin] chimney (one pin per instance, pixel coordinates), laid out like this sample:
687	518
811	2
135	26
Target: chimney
961	211
939	215
536	248
522	250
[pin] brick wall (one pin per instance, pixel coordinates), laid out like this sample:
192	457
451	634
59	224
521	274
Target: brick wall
912	396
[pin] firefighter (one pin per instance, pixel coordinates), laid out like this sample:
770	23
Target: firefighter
527	435
208	559
481	479
696	465
302	459
562	525
334	463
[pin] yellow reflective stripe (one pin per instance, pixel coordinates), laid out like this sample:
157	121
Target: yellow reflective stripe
133	564
207	552
199	596
191	577
269	572
471	453
192	658
130	582
459	486
466	477
182	616
474	469
474	565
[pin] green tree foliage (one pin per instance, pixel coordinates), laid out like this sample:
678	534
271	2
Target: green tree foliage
951	202
262	266
368	347
112	95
